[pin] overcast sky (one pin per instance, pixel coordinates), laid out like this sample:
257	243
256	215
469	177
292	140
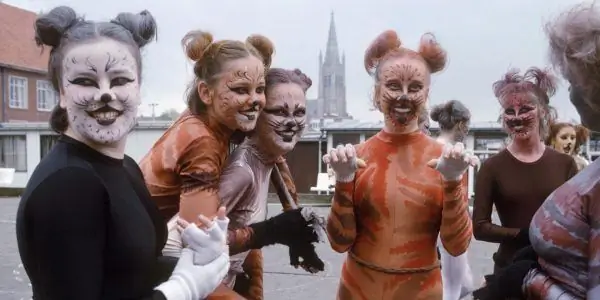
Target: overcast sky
483	38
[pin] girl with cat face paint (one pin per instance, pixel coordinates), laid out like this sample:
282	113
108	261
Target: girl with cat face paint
184	167
246	178
565	231
86	197
568	138
519	178
407	188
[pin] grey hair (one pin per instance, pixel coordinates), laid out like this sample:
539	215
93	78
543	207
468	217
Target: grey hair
450	114
574	40
62	28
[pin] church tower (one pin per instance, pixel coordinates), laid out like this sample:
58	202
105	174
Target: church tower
331	102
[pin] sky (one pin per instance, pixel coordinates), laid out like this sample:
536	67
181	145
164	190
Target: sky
483	39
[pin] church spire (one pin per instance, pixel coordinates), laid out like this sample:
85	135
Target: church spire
332	52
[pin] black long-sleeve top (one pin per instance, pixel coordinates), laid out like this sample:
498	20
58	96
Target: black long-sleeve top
88	229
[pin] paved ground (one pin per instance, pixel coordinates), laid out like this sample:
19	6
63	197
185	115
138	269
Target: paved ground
281	281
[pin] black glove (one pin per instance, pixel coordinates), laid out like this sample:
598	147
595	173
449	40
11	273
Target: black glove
310	260
507	283
288	228
522	238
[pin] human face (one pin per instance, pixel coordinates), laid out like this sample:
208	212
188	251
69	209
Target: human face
282	122
100	90
565	139
239	94
403	87
521	115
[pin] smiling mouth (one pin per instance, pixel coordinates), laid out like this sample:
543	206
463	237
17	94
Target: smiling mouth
286	135
105	115
251	114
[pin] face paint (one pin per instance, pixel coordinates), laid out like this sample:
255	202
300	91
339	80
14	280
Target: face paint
403	89
100	90
283	119
565	139
521	115
240	93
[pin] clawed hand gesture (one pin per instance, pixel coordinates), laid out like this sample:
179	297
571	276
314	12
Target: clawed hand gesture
343	162
454	161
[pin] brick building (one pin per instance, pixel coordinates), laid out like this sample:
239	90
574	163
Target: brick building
26	94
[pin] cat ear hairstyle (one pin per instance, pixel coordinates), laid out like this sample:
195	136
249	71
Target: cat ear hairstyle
544	80
431	51
436	113
382	45
142	26
195	43
512	76
264	46
307	81
50	27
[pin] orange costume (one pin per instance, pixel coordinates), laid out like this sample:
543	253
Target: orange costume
182	172
388	219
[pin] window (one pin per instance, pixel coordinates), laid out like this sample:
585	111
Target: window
46	96
495	143
17	92
46	143
326	81
13	152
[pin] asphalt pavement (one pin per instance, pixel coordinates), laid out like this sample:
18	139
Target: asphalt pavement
282	282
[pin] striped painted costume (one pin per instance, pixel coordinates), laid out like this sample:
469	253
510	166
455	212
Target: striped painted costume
388	220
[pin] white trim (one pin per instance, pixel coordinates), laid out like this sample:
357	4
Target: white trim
44	88
22	103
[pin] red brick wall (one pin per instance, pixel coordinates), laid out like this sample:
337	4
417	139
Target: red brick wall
31	114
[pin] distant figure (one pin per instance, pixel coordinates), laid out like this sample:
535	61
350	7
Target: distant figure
568	138
453	118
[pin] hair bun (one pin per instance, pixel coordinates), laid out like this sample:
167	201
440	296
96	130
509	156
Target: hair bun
264	46
195	43
383	43
307	81
51	27
432	52
142	26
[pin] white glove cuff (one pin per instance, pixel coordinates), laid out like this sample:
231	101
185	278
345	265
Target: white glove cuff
175	289
344	179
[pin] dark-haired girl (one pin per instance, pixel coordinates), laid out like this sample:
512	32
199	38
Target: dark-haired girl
453	118
86	225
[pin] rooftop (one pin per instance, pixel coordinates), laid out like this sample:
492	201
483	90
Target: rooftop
358	125
18	49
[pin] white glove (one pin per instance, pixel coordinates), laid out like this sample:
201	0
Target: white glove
192	282
208	244
453	162
344	162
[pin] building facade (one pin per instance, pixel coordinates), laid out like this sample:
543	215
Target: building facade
25	93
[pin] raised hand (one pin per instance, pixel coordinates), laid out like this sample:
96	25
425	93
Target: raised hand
344	162
306	257
209	241
453	162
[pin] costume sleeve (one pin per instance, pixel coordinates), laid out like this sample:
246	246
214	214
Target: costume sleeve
573	169
199	169
65	217
288	180
341	222
236	182
456	228
483	229
593	217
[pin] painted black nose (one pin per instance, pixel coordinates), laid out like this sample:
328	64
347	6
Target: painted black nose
105	98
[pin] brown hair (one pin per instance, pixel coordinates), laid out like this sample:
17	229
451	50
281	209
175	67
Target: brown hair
210	56
277	75
535	81
388	45
581	134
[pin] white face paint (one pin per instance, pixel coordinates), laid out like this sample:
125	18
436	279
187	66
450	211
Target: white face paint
100	90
